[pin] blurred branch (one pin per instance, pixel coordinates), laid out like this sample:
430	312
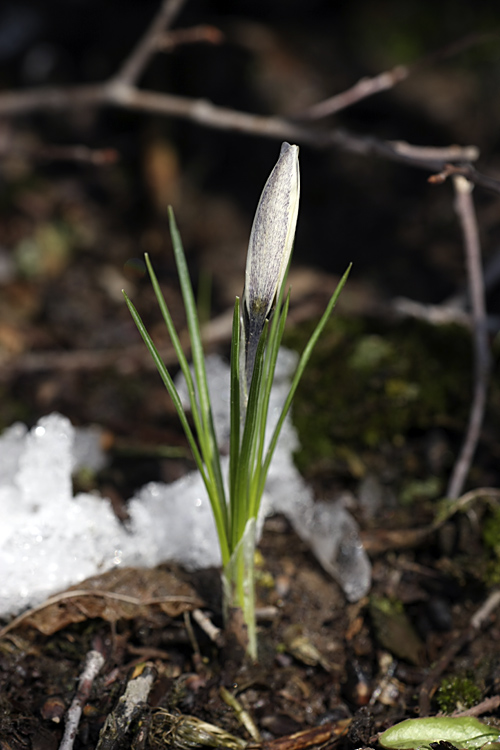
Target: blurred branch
94	662
215	332
464	206
447	313
134	65
97	156
196	34
361	90
388	79
467	171
121	91
203	112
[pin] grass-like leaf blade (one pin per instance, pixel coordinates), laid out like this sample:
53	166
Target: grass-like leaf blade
304	359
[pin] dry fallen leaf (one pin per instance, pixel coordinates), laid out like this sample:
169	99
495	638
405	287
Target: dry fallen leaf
122	593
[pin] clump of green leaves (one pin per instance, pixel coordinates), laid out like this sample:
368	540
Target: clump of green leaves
258	327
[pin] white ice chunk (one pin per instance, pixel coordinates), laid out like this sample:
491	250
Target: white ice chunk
87	451
49	539
13	443
333	536
186	530
44	471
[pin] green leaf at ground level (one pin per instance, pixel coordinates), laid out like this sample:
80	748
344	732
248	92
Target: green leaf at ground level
463	732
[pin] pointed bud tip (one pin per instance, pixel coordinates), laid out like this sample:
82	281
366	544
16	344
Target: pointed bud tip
273	230
286	147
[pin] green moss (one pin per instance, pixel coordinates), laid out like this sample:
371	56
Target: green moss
421	489
457	694
370	384
491	532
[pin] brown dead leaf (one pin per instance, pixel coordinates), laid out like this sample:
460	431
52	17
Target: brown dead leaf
122	593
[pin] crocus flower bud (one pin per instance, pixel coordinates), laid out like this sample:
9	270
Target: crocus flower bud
269	248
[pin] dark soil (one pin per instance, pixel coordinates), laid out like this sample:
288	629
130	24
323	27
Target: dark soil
353	669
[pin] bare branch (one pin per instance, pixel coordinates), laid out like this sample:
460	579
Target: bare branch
447	313
467	171
134	65
207	114
465	209
437	153
361	90
93	665
121	91
487	706
210	115
195	34
47	98
388	79
97	156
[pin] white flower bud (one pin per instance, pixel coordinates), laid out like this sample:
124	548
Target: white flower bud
270	247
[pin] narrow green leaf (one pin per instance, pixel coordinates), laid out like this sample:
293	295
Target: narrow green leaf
191	315
235	416
268	380
306	354
217	509
207	438
205	444
239	502
168	382
184	364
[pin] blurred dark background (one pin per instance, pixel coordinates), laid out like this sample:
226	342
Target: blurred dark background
72	234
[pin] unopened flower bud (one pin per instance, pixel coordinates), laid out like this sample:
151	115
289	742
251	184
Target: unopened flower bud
269	248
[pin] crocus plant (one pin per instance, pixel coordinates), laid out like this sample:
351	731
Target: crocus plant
258	326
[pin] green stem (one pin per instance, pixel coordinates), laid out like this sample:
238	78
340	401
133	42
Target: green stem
239	586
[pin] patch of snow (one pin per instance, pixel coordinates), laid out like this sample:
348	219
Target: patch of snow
50	539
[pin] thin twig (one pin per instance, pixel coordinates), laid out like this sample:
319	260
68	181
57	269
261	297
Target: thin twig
389	78
128	713
382	540
193	35
436	315
437	153
491	494
485	610
464	206
361	90
93	665
206	624
83	360
133	67
485	707
98	157
440	315
467	171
